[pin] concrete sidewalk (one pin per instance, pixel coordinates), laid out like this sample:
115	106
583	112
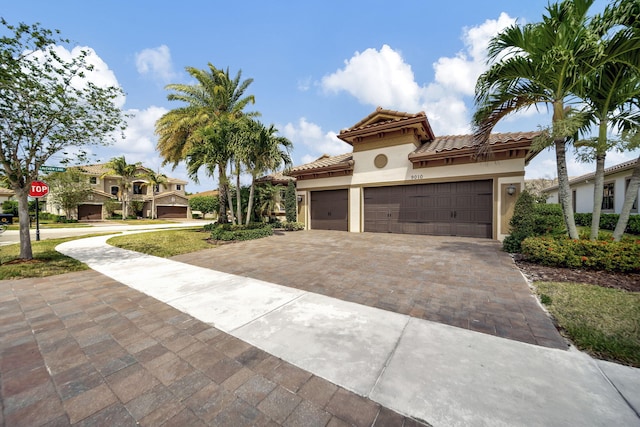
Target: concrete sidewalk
437	373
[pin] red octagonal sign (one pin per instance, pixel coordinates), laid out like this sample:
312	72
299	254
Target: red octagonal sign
38	189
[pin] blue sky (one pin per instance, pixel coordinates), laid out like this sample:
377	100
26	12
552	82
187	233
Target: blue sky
318	67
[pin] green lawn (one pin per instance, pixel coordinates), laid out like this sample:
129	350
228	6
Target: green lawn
164	243
603	322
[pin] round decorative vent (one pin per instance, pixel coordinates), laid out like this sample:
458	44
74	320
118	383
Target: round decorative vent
380	161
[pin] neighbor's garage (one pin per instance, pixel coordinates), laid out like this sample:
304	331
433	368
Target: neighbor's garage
165	212
441	209
329	210
89	212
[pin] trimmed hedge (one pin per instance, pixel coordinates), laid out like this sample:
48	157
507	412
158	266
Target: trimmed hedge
599	255
229	232
292	226
608	222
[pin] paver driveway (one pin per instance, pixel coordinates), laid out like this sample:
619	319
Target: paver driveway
463	282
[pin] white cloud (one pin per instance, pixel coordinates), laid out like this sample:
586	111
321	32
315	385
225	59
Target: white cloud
384	78
313	137
139	135
156	62
377	78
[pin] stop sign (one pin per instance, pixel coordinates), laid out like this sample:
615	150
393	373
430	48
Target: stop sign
38	189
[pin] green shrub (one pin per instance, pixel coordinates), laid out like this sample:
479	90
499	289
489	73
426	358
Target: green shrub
228	232
290	202
548	219
522	222
609	221
583	219
599	255
292	226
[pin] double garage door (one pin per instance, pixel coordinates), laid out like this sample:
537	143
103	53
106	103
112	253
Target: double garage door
89	212
442	209
171	212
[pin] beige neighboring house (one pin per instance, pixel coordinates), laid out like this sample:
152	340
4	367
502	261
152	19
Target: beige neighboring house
6	194
401	178
170	198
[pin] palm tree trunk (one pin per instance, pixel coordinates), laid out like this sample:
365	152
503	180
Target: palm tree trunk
564	190
598	188
250	203
629	198
222	195
238	194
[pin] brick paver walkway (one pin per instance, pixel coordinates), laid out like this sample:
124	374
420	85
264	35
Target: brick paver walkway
82	349
467	283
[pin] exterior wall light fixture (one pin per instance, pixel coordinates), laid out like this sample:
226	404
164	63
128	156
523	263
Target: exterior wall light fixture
511	190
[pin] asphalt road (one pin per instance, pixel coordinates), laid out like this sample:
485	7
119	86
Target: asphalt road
13	236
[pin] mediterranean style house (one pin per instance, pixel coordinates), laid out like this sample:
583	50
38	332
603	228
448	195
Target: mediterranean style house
401	178
168	199
616	181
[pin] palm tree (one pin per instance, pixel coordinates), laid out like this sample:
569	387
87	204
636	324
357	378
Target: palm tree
266	152
608	94
215	97
155	180
543	63
125	172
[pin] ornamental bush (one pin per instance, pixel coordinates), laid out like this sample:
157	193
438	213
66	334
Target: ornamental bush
608	222
228	232
606	255
292	226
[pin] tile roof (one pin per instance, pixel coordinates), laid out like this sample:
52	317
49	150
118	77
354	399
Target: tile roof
390	116
277	177
342	161
620	167
101	169
7	191
456	142
383	120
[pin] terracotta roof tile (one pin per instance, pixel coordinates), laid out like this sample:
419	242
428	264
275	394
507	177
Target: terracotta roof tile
325	161
278	177
395	116
7	191
456	142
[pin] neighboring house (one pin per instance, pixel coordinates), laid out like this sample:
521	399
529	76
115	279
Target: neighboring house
6	194
616	181
280	180
401	178
170	198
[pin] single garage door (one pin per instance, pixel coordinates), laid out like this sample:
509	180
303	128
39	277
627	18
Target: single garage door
329	210
442	209
172	211
89	212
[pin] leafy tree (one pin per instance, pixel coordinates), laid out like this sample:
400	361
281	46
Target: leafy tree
125	172
46	104
110	206
291	203
204	204
68	189
197	132
10	207
544	63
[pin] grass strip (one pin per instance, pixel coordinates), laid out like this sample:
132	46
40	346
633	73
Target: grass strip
601	321
164	244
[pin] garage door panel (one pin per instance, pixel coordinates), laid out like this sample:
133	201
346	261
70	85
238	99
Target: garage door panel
329	210
89	212
166	212
460	208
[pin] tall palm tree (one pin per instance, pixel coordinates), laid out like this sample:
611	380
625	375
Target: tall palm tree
264	151
125	172
215	97
608	94
542	63
156	179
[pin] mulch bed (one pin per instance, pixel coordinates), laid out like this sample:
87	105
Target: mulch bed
540	273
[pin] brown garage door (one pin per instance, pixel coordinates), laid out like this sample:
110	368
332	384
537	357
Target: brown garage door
172	211
89	212
329	210
442	209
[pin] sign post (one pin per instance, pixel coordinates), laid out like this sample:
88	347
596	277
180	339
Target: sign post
38	189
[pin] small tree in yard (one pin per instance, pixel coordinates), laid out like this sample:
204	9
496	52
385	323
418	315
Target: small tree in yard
204	204
46	105
110	206
290	205
68	189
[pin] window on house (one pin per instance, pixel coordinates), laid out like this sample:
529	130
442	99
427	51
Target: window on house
93	180
634	208
156	188
178	187
137	188
573	200
607	196
114	190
